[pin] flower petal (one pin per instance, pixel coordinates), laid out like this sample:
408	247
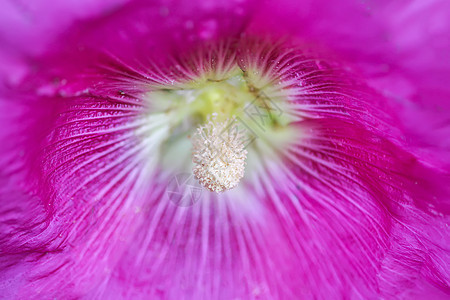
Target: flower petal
402	50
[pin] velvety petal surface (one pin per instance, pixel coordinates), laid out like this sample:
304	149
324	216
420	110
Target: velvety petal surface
402	49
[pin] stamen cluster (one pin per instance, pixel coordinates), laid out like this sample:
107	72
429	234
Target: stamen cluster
219	154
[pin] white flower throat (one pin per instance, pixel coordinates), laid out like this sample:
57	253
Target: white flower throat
217	127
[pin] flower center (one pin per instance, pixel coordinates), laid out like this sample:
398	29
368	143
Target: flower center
218	154
219	125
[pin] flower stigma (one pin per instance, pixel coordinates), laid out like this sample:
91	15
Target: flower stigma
218	154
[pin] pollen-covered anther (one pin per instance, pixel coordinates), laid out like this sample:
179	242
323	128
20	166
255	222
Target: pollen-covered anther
219	154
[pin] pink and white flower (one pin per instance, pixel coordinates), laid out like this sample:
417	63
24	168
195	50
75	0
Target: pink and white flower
338	113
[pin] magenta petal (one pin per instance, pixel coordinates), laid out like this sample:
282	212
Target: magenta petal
358	194
402	49
27	28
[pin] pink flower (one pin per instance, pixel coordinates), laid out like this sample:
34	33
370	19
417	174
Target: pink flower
341	191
